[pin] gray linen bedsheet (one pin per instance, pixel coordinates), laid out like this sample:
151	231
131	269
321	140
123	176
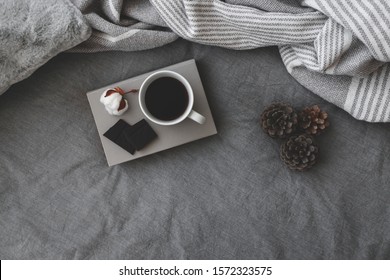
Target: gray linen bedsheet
224	197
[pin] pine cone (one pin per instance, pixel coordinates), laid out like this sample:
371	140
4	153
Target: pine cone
279	120
299	152
312	120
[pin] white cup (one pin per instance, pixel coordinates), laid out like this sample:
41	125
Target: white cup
188	113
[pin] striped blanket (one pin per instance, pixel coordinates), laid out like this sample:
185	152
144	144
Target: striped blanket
340	49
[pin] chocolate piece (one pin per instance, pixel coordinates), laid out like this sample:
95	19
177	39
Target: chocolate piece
140	134
131	138
117	135
114	132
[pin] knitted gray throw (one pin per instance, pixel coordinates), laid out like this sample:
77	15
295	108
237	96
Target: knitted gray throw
32	32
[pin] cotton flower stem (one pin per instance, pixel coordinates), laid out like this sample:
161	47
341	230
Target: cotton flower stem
132	91
122	92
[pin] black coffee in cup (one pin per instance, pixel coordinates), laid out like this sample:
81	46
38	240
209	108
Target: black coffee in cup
166	98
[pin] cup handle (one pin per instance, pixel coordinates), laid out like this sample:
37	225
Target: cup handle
195	116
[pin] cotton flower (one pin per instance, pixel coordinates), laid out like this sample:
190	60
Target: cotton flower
114	102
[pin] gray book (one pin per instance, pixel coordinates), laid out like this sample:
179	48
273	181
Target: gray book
168	136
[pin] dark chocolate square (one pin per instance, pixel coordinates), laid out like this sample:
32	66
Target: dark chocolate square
140	134
115	131
117	135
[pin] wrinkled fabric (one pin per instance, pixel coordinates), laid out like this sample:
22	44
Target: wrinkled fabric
338	50
342	46
123	25
228	196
